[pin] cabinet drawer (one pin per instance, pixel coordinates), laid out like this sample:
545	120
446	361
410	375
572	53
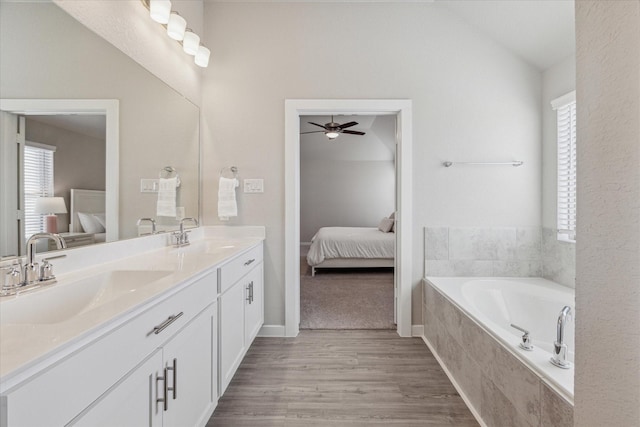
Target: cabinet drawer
239	266
90	371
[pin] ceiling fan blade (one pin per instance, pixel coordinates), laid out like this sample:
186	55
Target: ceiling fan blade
353	132
313	131
347	125
322	126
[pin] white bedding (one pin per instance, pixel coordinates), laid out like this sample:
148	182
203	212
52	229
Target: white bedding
350	242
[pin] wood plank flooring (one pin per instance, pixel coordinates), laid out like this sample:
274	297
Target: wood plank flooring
340	378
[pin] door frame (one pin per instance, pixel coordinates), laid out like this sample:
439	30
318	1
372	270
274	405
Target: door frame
108	107
294	109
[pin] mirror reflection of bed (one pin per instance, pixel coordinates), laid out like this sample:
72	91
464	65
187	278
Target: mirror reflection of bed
347	224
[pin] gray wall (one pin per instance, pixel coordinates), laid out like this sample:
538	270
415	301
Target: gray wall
607	381
472	101
79	161
348	182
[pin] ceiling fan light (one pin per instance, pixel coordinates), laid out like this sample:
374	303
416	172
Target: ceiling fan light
176	26
332	134
160	10
191	42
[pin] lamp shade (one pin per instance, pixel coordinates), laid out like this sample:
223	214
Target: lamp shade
50	205
191	42
176	26
202	57
160	10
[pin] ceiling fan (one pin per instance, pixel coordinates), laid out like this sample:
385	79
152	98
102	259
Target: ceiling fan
332	129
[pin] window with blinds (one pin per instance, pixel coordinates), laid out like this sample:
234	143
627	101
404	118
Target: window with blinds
38	182
565	107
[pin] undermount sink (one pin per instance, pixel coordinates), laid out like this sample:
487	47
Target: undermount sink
63	301
210	247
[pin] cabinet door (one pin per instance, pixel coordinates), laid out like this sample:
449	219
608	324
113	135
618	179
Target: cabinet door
131	402
231	340
189	364
254	304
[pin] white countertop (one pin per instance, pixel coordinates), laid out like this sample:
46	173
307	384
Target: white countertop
26	348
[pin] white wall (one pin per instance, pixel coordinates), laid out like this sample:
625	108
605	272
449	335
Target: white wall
350	181
607	375
472	100
126	25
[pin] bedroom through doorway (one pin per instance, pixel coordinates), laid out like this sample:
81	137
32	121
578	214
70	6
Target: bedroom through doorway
347	221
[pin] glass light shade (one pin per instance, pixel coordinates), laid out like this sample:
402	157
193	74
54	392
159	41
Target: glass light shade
332	135
160	10
176	26
50	205
202	57
191	42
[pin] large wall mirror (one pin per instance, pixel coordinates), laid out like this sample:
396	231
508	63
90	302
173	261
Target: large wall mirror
45	54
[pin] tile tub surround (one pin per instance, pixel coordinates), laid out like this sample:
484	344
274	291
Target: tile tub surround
497	386
499	252
474	251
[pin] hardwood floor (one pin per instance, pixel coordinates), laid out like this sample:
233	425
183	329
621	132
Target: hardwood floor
340	378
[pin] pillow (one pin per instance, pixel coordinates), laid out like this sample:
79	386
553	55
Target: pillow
393	228
385	225
90	224
100	217
393	215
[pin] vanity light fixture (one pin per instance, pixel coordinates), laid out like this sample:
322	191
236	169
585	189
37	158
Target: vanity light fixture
191	42
176	25
202	57
160	10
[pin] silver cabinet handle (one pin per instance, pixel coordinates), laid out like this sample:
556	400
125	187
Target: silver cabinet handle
248	298
174	369
251	292
250	261
165	399
162	326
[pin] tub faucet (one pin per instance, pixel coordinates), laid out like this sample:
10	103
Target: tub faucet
560	350
31	273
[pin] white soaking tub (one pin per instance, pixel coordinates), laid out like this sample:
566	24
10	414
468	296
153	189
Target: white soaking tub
531	303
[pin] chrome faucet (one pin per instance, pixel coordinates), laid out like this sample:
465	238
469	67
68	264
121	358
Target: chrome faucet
151	220
182	236
560	350
31	273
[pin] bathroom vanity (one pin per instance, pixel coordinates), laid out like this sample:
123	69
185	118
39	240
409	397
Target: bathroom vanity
152	338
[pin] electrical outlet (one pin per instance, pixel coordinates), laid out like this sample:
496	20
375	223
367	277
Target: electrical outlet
254	185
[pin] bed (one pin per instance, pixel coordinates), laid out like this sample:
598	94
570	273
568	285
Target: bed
351	247
91	204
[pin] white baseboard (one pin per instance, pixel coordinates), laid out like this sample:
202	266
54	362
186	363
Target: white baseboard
271	331
466	400
417	330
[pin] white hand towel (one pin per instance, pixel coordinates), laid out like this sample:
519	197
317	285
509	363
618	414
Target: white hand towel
167	197
227	198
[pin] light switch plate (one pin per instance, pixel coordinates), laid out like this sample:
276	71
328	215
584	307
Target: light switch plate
148	185
254	185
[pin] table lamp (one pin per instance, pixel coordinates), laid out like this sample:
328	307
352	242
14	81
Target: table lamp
50	206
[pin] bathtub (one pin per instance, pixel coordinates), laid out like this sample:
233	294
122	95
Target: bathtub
532	303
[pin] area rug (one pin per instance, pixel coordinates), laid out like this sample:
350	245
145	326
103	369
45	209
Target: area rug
346	298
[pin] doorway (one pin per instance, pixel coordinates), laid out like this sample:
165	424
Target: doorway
294	109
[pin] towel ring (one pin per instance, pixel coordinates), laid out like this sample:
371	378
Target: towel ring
168	172
232	169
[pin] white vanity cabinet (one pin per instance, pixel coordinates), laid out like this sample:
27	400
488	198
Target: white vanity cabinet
116	378
241	307
175	386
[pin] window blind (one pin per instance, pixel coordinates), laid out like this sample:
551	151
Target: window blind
38	182
566	209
